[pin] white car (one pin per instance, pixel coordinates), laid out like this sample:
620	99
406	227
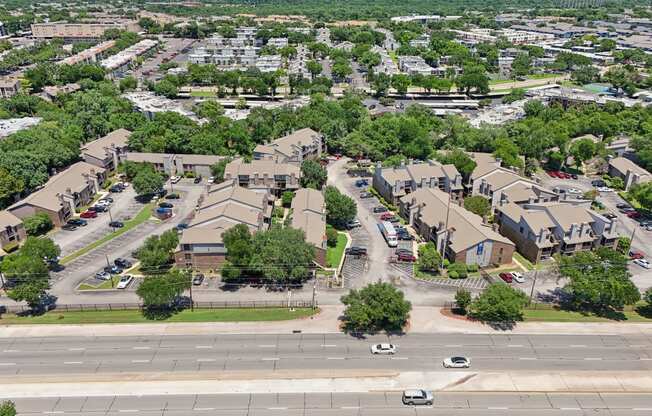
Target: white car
518	277
102	276
124	281
604	189
103	203
457	362
383	349
643	263
175	179
573	191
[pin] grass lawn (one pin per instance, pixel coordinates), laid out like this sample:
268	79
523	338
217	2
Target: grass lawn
334	254
525	262
552	315
135	316
140	218
202	94
106	284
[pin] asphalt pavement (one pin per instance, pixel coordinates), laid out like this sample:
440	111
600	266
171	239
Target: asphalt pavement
343	404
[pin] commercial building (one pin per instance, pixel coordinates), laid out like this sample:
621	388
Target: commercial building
542	230
294	148
459	235
108	151
9	87
394	183
12	232
90	55
119	63
224	206
176	164
414	65
79	31
628	171
517	37
63	194
264	175
309	215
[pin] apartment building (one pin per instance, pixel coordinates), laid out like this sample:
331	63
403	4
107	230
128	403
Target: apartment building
90	55
517	37
459	235
278	42
12	232
238	52
414	65
628	171
118	64
224	206
542	230
387	64
108	151
79	31
176	164
394	183
309	215
500	185
63	194
269	63
294	148
264	175
150	104
9	87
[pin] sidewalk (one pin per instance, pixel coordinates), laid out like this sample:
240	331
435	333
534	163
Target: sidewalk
424	319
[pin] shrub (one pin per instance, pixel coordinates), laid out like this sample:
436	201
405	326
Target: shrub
38	224
286	198
331	236
278	212
446	263
453	275
463	300
459	269
472	268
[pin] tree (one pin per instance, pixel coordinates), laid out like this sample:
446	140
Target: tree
499	303
429	258
340	208
508	152
598	281
159	293
624	244
463	299
331	236
401	83
314	68
27	277
155	255
40	248
376	307
7	408
210	109
128	84
286	198
647	296
522	65
238	243
341	69
217	170
478	205
147	182
642	192
38	224
473	77
313	175
9	186
582	150
457	157
381	83
282	255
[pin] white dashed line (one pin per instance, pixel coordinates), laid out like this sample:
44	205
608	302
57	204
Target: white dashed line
270	359
203	347
205	360
128	411
350	407
141	348
497	408
398	358
569	408
10	351
267	346
454	345
514	346
73	362
578	346
203	409
592	359
527	358
7	363
277	408
328	345
76	349
334	358
139	361
53	412
642	409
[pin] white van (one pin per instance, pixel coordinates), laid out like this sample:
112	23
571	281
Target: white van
389	233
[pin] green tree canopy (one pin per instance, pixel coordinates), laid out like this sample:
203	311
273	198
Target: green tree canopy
340	208
313	175
282	255
499	303
478	205
147	181
38	224
376	307
160	292
429	257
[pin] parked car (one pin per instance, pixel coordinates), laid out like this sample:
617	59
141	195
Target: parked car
123	263
507	277
124	282
165	205
636	255
102	275
113	269
622	206
198	279
633	214
361	182
88	214
366	195
610	215
417	397
172	196
574	176
103	203
353	224
386	216
518	277
197	179
648	228
573	191
377	349
98	208
182	226
404	235
115	189
379	209
406	257
116	224
107	198
77	222
598	183
356	251
457	362
69	227
605	189
402	251
643	263
175	179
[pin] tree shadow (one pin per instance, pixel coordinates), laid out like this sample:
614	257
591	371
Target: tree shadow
645	311
502	326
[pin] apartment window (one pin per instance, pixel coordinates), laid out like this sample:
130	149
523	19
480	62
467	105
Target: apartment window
521	230
500	251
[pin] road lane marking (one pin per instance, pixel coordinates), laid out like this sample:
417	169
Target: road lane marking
569	408
328	345
203	347
10	351
267	346
277	408
578	346
139	361
350	407
398	358
76	349
270	359
645	359
454	345
141	348
527	358
334	358
7	363
593	358
203	409
53	412
514	345
128	411
497	408
205	360
73	362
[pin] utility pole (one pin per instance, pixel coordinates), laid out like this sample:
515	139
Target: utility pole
108	264
448	210
192	302
534	282
314	291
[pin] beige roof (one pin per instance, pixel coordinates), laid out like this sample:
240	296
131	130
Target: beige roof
236	213
260	167
308	214
207	160
71	178
287	144
117	138
209	234
535	219
567	214
235	194
469	228
7	219
148	157
624	165
418	171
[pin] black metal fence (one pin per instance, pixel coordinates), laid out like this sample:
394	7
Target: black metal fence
81	307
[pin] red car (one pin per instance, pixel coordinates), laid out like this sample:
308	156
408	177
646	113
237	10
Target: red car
635	255
88	214
565	175
633	214
550	173
507	277
406	257
387	216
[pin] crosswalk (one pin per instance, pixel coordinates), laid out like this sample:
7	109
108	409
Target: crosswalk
353	267
475	283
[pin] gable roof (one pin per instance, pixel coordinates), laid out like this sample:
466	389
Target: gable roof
623	165
309	215
117	138
287	144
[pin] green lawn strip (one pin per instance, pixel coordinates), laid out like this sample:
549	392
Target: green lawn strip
525	262
106	284
554	315
135	316
334	254
202	94
142	216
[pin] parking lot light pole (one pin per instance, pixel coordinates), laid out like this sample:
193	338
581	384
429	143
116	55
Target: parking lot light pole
110	276
192	302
